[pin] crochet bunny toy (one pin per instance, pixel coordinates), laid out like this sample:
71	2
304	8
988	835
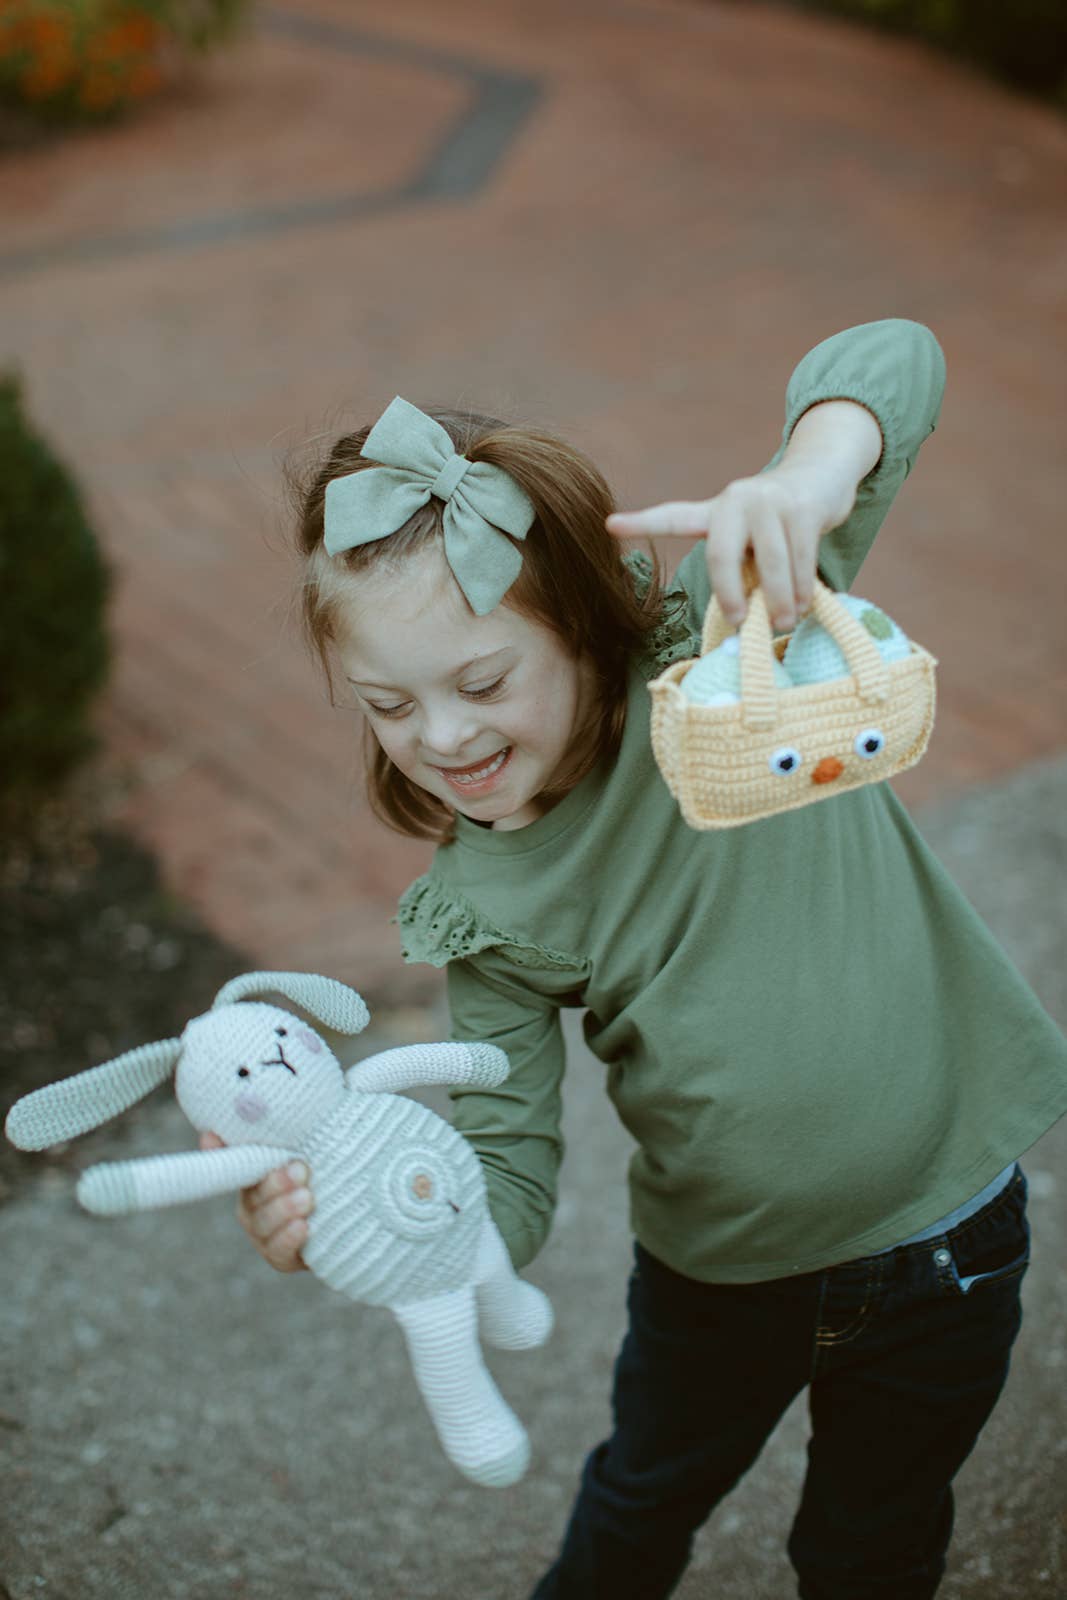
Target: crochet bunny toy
400	1217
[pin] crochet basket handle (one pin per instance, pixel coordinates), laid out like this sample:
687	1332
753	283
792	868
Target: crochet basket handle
759	695
855	643
758	692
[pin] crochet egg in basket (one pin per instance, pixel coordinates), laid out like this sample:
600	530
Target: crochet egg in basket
847	700
715	680
814	656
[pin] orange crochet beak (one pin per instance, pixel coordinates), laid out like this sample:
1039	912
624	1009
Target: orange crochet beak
828	769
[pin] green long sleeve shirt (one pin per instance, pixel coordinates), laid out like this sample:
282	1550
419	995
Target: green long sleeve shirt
816	1043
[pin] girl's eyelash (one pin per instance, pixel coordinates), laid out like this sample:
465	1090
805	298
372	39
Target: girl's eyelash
387	711
484	693
489	689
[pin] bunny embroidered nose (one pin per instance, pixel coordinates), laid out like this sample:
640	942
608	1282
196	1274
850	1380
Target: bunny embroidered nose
281	1062
827	770
250	1108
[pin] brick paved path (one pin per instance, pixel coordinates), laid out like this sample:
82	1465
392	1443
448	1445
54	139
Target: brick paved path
624	219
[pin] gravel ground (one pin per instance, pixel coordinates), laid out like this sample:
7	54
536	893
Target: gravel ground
176	1423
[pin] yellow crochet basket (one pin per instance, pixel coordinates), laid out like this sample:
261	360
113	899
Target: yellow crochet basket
781	748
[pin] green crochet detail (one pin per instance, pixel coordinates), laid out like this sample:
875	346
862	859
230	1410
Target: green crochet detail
672	639
438	926
877	623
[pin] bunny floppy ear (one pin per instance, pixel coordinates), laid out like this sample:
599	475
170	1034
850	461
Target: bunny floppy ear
334	1004
74	1105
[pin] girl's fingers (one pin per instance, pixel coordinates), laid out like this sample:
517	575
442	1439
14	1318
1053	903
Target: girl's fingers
279	1182
211	1141
278	1186
725	552
681	517
283	1250
803	543
274	1214
265	1221
747	515
774	563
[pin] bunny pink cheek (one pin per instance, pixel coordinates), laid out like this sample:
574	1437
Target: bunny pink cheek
250	1108
309	1040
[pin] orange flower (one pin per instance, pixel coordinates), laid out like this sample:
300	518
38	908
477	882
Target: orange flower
47	46
48	34
102	53
43	78
99	92
15	33
105	46
135	34
144	79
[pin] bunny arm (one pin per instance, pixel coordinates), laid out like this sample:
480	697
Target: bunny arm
115	1187
411	1065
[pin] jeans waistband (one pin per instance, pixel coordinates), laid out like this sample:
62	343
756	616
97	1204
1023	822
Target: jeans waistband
961	1213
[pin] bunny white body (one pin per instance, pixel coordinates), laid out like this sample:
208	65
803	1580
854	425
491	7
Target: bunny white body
399	1205
400	1217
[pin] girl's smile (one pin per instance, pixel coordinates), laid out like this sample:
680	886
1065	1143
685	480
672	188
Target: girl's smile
480	777
480	711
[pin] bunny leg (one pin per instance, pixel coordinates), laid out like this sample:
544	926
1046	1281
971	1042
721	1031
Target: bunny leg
514	1315
479	1433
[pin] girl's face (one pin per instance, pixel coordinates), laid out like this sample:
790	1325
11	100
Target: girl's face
480	711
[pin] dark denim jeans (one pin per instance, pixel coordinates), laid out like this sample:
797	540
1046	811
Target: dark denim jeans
905	1354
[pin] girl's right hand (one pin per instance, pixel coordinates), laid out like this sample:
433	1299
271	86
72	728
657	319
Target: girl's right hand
779	515
274	1212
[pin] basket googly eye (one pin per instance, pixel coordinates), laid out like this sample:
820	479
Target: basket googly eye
785	760
869	743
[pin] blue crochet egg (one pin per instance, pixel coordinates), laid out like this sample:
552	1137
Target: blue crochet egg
812	656
715	680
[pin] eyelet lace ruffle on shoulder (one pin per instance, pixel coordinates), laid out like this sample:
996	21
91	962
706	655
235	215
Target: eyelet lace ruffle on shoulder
437	925
671	639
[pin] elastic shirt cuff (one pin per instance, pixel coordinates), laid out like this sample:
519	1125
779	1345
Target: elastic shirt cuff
860	395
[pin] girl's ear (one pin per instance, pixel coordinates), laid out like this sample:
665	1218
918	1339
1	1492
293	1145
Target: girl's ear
74	1105
333	1003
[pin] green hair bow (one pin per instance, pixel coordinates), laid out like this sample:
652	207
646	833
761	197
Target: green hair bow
419	460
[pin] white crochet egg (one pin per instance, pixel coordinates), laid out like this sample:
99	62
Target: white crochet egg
715	680
812	656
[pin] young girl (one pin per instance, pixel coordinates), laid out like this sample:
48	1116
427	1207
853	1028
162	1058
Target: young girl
827	1063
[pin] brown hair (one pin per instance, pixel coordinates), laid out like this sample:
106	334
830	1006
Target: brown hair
573	580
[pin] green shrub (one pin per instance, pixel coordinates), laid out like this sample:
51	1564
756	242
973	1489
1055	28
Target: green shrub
1023	41
54	586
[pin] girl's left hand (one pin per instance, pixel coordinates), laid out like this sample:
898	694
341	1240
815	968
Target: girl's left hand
779	516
